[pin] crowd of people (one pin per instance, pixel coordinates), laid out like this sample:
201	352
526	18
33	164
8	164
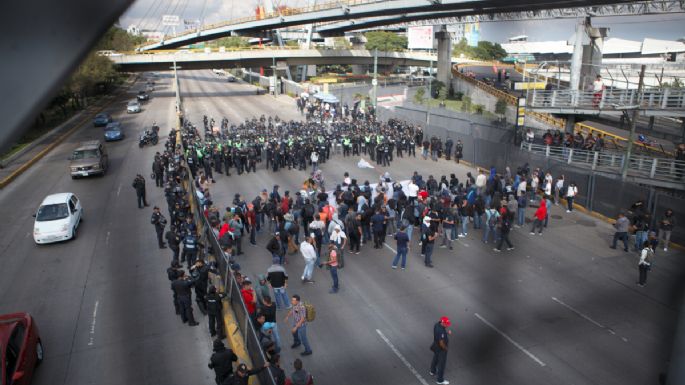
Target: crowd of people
326	224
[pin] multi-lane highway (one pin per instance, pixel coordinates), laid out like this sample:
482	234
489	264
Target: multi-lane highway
562	308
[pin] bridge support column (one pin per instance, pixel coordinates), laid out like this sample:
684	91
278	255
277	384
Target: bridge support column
444	56
570	124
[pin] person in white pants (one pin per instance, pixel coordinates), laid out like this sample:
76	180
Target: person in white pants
309	253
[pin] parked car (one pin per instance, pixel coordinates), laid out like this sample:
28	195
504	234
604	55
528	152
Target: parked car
230	79
89	158
114	131
133	107
21	348
142	95
57	218
102	120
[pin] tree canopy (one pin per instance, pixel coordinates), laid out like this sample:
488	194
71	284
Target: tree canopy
385	41
484	51
117	39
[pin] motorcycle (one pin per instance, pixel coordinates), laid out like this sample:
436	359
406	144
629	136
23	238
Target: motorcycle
148	137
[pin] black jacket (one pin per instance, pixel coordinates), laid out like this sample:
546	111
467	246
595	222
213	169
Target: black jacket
214	304
182	287
222	362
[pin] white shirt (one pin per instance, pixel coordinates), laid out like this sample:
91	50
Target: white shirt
548	188
481	179
522	188
307	251
338	236
598	85
572	191
314	157
412	189
560	184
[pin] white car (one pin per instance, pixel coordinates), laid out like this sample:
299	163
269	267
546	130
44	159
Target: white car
58	218
133	107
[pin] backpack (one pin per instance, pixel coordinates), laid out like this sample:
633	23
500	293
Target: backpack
310	312
492	220
308	211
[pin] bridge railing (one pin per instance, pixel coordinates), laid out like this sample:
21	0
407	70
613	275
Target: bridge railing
665	169
610	99
619	142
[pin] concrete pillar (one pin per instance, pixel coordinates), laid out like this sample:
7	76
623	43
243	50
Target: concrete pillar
577	58
570	124
444	55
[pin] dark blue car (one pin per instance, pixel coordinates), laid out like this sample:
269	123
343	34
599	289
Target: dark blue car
102	120
113	131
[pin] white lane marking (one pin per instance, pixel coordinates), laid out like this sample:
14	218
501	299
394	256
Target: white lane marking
466	244
92	324
586	317
521	348
107	239
388	246
401	357
118	190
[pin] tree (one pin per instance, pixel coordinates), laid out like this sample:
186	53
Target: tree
231	42
466	104
442	95
488	51
341	43
419	95
461	48
117	39
385	41
501	108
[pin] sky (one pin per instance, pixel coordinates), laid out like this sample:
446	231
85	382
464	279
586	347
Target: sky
147	15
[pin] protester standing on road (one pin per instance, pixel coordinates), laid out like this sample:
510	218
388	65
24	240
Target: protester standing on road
402	247
666	225
159	222
299	329
645	263
571	192
439	348
332	264
539	217
300	376
222	362
309	255
622	224
278	280
428	236
504	229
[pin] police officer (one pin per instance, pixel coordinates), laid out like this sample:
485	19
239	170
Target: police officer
181	287
139	186
173	272
158	170
222	362
190	247
200	273
159	222
174	241
214	312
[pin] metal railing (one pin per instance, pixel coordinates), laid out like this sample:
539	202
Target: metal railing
664	169
610	99
619	142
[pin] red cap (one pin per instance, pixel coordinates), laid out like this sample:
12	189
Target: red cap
445	321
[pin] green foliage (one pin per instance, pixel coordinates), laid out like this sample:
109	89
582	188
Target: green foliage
466	104
442	94
484	51
420	95
676	83
458	95
385	41
230	42
117	39
501	107
478	109
292	43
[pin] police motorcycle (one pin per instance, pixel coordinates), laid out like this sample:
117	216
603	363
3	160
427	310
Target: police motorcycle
149	136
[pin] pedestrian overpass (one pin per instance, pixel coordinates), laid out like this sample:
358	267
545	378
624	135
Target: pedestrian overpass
162	61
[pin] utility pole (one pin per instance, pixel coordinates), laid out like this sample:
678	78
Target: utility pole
636	113
374	82
430	81
273	71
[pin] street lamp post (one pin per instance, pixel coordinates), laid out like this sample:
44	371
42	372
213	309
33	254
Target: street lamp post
374	82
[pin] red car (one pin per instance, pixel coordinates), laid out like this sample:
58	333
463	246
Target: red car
20	348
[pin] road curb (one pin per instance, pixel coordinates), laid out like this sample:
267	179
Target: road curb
8	179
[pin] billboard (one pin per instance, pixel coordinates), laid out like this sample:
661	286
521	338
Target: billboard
420	37
472	32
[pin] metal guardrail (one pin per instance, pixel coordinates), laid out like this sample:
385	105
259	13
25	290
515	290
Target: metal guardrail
664	169
610	99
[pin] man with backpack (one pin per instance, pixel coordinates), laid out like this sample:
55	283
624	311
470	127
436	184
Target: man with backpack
299	329
504	229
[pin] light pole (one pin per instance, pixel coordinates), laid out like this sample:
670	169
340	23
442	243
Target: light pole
374	82
636	113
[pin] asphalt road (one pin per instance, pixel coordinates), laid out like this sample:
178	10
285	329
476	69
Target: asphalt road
559	309
562	308
102	302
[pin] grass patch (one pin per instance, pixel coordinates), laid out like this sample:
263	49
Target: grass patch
456	105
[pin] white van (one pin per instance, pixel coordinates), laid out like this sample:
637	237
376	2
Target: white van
57	218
